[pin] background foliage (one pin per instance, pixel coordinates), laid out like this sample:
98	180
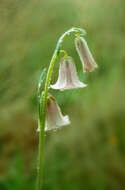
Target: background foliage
90	153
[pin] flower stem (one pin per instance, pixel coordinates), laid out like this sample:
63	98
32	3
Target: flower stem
42	114
43	103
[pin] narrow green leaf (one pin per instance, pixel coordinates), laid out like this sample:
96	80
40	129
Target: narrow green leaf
42	77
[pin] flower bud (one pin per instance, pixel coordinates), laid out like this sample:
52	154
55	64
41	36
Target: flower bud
67	78
54	117
85	55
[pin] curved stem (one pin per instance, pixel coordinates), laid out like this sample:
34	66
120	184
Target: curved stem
43	103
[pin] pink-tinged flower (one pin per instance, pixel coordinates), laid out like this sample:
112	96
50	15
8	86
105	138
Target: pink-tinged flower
54	117
68	78
85	55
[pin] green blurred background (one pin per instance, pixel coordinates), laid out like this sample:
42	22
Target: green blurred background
90	153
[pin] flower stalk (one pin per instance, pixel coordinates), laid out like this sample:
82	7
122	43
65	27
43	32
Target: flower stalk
43	98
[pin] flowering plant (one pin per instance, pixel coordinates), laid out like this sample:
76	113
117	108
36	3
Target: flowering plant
50	116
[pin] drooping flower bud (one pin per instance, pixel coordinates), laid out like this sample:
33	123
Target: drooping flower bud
85	55
54	117
67	78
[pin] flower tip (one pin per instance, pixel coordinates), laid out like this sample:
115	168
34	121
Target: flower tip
90	68
38	129
85	85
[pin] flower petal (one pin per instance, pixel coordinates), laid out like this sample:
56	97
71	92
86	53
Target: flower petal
68	78
54	117
85	55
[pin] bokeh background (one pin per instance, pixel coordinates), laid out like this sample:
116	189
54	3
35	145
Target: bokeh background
90	153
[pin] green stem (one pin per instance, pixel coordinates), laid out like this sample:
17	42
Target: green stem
43	103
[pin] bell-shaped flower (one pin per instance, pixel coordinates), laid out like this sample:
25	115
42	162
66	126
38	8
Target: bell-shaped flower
67	78
54	117
85	55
